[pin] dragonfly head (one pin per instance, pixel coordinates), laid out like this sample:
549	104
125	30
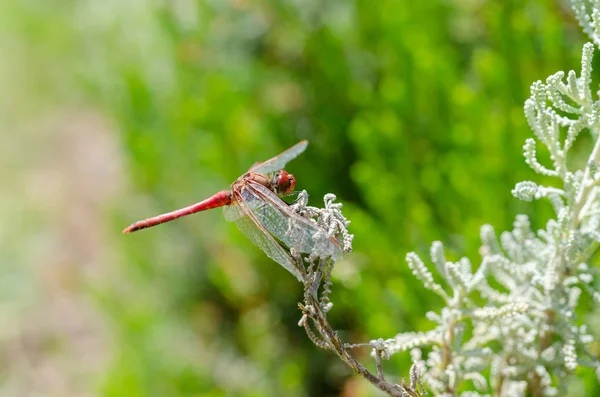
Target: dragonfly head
283	183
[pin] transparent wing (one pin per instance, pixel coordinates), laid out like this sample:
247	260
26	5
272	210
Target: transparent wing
278	162
284	224
245	220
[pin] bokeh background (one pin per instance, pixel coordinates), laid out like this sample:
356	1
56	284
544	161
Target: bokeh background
112	111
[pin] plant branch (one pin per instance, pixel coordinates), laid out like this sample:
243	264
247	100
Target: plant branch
313	310
587	183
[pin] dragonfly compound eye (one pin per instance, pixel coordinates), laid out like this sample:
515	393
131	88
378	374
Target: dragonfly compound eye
285	183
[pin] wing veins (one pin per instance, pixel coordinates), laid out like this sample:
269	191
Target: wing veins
278	162
274	202
275	250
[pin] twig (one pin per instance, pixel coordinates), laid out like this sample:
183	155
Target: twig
330	340
337	346
378	364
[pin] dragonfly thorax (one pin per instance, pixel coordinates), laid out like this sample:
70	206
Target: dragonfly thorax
281	183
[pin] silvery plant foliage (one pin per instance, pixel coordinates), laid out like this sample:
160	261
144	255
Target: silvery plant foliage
509	325
526	337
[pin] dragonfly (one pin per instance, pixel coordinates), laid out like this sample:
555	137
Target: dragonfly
253	203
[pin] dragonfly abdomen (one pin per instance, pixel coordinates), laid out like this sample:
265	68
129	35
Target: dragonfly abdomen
217	200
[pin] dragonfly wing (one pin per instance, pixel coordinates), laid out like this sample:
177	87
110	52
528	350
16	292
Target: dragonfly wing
294	231
278	162
248	224
233	212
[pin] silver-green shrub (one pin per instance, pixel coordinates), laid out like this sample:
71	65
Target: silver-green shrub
525	338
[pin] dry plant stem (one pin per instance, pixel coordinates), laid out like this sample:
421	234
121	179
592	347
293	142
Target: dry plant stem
313	309
335	344
447	355
326	285
586	185
545	341
316	277
311	335
378	363
498	390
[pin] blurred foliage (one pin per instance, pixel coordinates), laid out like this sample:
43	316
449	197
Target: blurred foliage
413	111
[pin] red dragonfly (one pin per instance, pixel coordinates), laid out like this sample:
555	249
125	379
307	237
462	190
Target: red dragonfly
253	204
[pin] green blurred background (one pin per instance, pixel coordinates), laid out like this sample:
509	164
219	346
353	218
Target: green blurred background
113	111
